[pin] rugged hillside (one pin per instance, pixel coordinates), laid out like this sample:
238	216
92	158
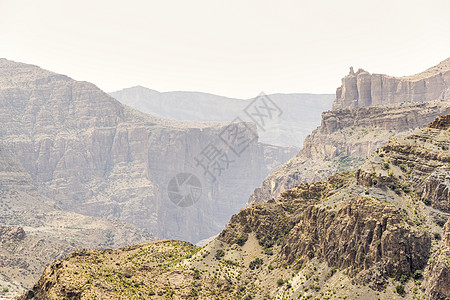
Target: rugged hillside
364	89
37	231
346	136
342	141
300	112
97	157
373	234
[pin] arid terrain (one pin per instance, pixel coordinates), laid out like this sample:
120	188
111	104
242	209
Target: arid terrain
381	232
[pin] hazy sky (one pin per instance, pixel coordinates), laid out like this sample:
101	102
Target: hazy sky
232	48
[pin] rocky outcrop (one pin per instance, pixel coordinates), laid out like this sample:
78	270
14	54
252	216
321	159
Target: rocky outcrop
367	112
422	159
438	283
366	237
10	234
363	89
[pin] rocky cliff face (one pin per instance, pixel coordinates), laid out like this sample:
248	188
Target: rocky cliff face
343	139
438	286
362	89
37	231
362	235
95	156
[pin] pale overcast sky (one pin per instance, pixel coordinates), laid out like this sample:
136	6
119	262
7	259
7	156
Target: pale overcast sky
230	47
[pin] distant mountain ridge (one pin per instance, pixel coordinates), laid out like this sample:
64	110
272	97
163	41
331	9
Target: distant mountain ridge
300	112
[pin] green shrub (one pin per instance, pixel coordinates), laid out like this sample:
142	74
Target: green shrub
332	271
437	236
417	274
403	279
268	251
219	254
440	222
241	240
406	188
426	201
196	274
280	282
400	289
256	263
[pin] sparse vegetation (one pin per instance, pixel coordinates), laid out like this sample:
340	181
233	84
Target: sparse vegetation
280	282
418	274
400	289
441	222
219	254
256	263
241	240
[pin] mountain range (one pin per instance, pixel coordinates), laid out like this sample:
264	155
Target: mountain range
361	212
300	113
381	232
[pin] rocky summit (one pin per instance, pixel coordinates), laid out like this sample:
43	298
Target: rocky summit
362	89
381	232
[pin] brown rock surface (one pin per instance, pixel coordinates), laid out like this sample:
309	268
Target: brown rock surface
9	234
438	283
